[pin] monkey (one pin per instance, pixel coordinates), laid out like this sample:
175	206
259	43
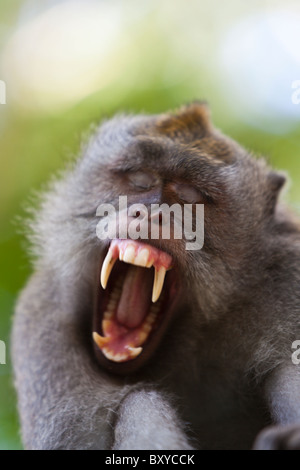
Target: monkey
129	344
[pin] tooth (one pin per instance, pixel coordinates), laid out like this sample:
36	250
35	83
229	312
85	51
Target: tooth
142	258
151	318
142	336
100	340
115	357
108	314
112	304
112	356
107	327
159	278
147	327
116	294
131	353
144	333
134	352
129	254
107	266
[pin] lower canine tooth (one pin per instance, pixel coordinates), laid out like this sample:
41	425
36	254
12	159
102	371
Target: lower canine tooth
159	278
100	340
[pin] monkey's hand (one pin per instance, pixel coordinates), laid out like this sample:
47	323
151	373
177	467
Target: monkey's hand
282	394
281	437
148	421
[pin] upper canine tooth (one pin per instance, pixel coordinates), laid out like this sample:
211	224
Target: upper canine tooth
159	278
129	254
107	266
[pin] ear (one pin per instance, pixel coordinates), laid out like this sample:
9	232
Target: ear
276	181
193	119
197	112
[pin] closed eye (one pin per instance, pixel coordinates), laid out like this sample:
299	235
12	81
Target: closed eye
141	180
188	194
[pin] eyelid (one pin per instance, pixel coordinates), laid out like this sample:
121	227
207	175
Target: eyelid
188	193
142	179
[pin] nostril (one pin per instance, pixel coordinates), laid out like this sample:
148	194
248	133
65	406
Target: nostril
157	217
137	211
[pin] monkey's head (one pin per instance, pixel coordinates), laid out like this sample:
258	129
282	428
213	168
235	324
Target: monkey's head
131	281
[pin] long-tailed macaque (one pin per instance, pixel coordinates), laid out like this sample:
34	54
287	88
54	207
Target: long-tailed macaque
122	343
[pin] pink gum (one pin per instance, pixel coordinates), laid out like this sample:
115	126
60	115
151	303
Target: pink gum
159	258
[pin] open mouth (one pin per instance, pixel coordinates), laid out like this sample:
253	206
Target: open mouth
135	298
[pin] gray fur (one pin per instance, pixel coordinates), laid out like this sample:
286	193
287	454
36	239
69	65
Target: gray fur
223	370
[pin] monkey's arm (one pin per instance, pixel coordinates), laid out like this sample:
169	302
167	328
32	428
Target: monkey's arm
66	401
283	395
147	421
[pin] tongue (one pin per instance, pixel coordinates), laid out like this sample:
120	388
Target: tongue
135	298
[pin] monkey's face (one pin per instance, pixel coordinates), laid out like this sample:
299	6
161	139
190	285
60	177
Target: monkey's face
151	223
144	281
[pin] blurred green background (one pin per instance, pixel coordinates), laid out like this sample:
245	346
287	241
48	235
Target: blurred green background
67	64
